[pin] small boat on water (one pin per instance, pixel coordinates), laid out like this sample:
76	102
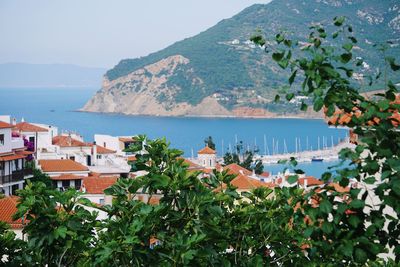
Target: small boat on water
315	159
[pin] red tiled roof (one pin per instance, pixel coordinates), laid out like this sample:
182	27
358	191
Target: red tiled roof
103	150
206	150
67	177
97	185
8	207
12	157
339	188
126	139
192	165
311	181
61	165
243	182
4	125
131	158
236	169
67	141
28	127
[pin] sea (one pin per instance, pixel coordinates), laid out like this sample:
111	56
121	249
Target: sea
59	107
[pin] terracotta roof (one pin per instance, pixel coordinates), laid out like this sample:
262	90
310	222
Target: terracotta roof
339	188
61	165
131	158
126	139
8	207
243	182
4	125
236	169
311	181
67	141
12	157
103	150
66	177
97	185
28	127
206	150
154	200
342	118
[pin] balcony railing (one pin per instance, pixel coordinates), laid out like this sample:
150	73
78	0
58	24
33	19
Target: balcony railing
16	176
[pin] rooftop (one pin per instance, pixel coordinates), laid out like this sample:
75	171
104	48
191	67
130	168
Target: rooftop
4	125
28	127
206	150
68	141
61	165
8	207
97	185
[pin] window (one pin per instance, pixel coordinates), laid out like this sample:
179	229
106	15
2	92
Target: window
101	201
78	183
16	165
104	144
98	156
1	166
1	139
72	158
65	183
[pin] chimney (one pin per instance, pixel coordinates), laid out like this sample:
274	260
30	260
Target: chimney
69	139
94	161
14	121
305	183
22	120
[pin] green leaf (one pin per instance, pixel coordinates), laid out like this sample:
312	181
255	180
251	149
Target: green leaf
277	56
61	231
303	106
370	180
292	179
354	221
292	77
277	98
357	204
318	104
325	206
346	57
338	21
392	64
360	256
348	47
289	96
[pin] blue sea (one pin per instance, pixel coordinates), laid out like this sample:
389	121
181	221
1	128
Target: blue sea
59	107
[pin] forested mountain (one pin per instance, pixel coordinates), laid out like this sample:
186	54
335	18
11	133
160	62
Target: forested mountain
220	72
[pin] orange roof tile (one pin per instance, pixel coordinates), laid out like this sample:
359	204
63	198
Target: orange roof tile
4	125
126	139
97	185
206	150
28	127
103	150
243	182
61	165
67	141
8	207
192	165
66	177
12	157
132	158
311	181
339	188
236	169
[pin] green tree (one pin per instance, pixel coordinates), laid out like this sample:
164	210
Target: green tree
244	158
209	142
351	231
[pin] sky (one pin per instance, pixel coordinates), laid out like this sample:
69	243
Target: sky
99	33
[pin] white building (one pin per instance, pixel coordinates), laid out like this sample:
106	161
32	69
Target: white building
12	160
207	158
117	143
64	173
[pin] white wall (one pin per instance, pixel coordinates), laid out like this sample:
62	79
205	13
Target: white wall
7	146
107	141
207	160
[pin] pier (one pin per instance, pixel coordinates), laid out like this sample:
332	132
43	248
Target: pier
325	154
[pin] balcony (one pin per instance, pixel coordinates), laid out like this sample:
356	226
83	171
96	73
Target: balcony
17	142
16	176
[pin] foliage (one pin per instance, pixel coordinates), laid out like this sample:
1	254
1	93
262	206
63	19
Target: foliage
351	231
209	142
244	158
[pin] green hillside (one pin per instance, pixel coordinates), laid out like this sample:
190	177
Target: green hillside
228	64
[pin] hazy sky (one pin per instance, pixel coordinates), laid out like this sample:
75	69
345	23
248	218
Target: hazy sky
101	32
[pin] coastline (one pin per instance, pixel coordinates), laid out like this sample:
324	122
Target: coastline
278	116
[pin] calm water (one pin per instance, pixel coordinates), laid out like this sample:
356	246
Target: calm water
58	107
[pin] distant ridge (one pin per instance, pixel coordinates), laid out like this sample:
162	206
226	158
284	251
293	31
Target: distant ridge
219	72
18	75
